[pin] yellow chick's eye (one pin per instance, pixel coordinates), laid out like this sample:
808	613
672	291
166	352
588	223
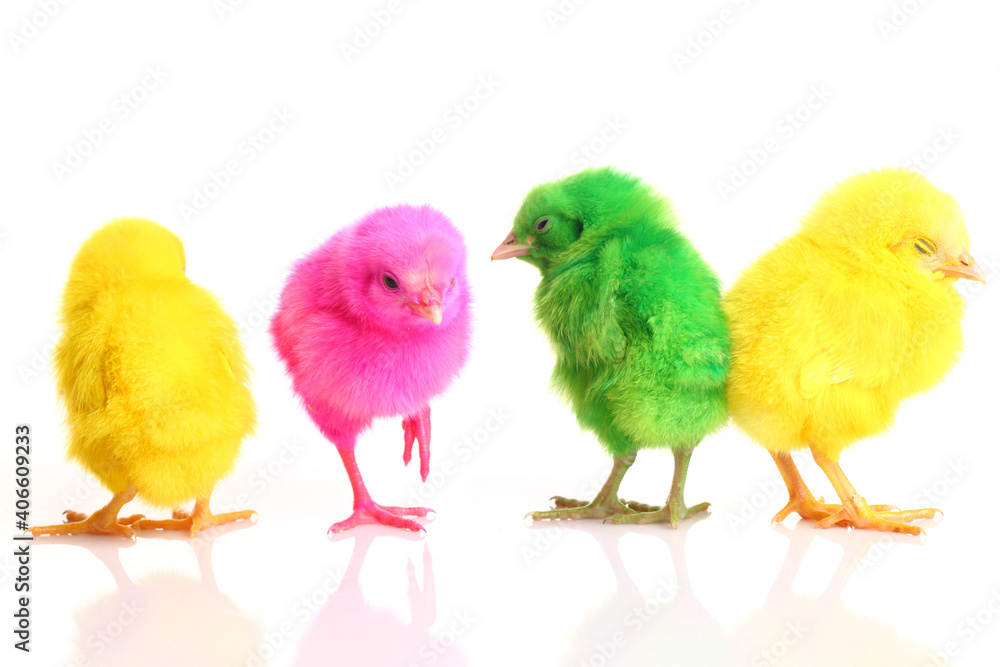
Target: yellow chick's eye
925	246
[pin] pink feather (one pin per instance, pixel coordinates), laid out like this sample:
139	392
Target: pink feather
355	349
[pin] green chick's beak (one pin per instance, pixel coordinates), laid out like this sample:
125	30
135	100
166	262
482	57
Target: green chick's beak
511	248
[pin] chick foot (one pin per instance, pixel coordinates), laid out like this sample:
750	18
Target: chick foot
195	521
604	505
104	521
857	513
675	510
372	512
568	508
673	513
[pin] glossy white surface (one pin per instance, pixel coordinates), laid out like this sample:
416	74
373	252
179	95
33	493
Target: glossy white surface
482	588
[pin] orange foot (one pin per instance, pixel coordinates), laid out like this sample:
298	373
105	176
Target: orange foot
198	520
104	521
859	514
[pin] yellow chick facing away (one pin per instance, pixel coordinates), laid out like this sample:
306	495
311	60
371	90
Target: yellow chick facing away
153	378
838	323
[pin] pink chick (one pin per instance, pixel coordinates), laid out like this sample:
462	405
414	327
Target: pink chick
374	323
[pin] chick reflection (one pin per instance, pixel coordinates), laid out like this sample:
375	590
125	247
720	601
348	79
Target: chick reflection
806	631
350	631
662	624
165	618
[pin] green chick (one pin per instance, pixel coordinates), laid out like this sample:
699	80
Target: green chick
633	312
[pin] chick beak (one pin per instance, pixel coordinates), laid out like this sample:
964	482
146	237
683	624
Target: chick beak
511	248
429	306
965	267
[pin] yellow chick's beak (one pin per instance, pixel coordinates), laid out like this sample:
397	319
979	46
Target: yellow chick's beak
511	248
964	267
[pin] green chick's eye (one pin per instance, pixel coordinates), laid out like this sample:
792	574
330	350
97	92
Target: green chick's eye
925	246
543	225
390	282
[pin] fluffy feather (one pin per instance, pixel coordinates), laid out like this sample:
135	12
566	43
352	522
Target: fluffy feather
841	321
631	308
357	349
150	369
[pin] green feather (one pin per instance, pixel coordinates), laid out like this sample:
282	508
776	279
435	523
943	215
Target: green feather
632	310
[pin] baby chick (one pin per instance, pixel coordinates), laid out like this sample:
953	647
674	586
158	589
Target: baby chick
634	315
838	323
374	323
154	380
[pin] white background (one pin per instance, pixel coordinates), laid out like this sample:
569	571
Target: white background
482	588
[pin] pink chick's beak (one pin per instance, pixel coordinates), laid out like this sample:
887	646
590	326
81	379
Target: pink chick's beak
966	268
511	248
429	307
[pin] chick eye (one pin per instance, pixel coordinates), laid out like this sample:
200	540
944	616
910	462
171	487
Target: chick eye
925	246
542	225
452	283
390	282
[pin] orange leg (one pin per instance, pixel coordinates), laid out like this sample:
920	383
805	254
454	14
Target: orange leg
197	520
104	521
800	499
856	513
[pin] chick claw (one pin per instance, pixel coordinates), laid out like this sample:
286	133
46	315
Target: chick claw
858	514
673	513
98	523
418	426
194	522
568	508
383	514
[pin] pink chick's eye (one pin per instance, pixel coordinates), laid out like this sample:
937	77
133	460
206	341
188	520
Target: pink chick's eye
390	282
452	283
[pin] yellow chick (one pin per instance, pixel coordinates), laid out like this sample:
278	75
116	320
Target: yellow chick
838	323
153	378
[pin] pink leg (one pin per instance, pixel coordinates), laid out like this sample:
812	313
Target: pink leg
367	510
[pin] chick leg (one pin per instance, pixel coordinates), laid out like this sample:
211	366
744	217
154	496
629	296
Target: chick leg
800	498
367	510
605	504
104	521
675	510
195	521
856	513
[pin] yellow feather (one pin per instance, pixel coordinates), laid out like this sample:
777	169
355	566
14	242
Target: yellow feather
838	323
150	368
